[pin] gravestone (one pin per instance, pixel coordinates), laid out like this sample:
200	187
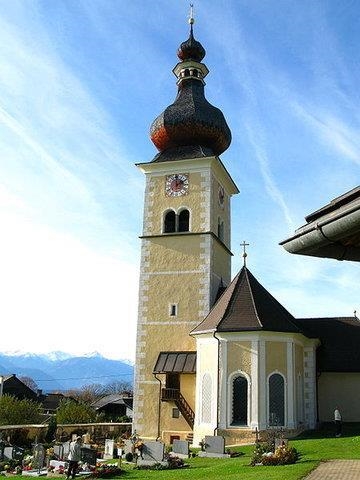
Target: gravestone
66	449
8	452
39	457
59	451
214	447
109	449
128	446
152	453
88	455
180	448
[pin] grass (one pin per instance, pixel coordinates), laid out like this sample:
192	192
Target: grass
314	447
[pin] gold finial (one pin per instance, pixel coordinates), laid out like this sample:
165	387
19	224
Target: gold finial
244	245
191	16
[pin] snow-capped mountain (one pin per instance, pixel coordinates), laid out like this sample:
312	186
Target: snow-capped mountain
59	371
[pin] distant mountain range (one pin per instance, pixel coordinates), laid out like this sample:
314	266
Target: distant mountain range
58	371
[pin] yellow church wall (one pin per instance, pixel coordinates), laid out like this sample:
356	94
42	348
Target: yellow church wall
239	357
159	308
275	357
163	203
342	390
162	339
172	426
173	252
187	388
220	211
222	262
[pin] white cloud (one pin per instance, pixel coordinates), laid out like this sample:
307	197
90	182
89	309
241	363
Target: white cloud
58	294
332	131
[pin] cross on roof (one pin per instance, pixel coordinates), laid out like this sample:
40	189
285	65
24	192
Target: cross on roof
244	245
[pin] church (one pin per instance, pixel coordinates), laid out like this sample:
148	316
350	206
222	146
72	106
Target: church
216	356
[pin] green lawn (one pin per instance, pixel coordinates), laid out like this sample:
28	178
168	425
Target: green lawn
313	447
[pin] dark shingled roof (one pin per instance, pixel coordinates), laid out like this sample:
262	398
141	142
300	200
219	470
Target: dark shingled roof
246	306
340	339
113	398
176	362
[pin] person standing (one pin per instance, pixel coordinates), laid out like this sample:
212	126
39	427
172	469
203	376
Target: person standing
338	421
74	457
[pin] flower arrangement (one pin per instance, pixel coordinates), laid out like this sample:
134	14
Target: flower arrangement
106	471
283	455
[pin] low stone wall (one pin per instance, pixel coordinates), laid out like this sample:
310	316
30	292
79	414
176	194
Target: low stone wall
28	434
97	431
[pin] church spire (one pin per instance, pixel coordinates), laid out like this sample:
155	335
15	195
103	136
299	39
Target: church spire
190	127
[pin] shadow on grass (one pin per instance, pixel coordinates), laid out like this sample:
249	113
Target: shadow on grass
327	430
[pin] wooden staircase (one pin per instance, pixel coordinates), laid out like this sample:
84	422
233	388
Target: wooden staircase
174	395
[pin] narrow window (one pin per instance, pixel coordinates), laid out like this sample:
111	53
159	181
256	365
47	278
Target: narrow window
220	229
276	400
184	221
170	222
175	413
239	401
173	310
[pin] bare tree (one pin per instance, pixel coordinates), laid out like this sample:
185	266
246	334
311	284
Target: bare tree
87	393
29	382
118	387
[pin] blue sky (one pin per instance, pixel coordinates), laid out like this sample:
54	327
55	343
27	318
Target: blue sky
81	83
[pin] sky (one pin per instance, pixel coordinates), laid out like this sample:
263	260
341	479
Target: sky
81	81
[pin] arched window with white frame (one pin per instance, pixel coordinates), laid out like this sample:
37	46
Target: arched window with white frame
239	399
183	220
276	389
174	222
169	222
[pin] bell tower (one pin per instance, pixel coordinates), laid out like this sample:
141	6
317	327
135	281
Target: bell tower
185	248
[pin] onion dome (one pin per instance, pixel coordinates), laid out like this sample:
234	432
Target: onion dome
191	49
191	126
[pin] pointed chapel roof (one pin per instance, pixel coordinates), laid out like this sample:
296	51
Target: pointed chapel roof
247	306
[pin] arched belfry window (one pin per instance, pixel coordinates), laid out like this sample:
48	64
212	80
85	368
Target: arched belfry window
184	221
239	401
174	222
170	222
276	400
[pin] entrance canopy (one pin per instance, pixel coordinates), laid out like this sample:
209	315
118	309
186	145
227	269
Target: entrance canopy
175	362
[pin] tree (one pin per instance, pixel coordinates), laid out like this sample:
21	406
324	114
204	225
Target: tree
118	387
70	411
29	382
87	393
18	412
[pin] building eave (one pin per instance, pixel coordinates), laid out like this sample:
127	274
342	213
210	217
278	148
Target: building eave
332	235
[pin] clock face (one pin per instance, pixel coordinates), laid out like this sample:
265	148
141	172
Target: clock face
177	184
